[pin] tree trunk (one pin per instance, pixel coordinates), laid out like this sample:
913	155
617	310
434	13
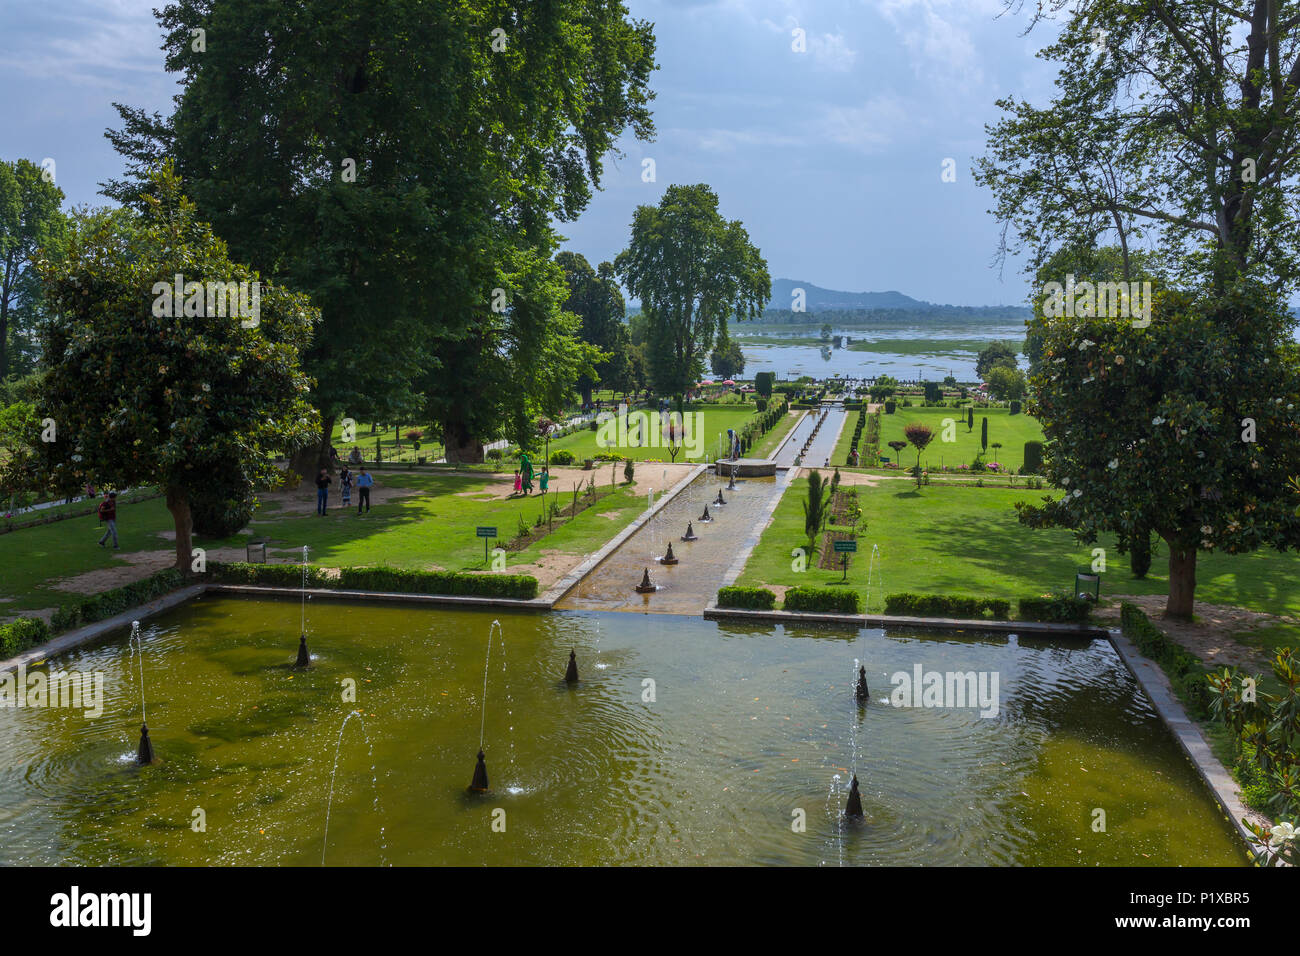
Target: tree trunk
460	444
178	503
308	460
1182	581
585	387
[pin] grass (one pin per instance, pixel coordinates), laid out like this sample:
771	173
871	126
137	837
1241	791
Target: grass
772	440
434	529
716	419
965	540
1012	430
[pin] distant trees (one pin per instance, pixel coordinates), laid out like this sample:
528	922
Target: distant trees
883	387
993	355
727	360
595	298
1007	384
692	270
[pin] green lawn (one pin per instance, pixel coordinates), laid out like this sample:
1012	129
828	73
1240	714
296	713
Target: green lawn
1012	430
435	528
955	540
715	421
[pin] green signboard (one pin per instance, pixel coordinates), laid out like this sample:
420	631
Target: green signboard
846	546
486	531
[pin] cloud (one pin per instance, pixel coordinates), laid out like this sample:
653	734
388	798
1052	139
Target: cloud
99	43
937	35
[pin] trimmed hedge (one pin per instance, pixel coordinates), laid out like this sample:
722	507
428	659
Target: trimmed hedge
562	457
116	601
1055	609
395	580
943	605
17	636
754	599
1185	670
833	600
1033	458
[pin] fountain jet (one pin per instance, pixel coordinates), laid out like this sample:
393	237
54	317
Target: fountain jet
719	500
645	587
144	756
731	485
571	673
706	516
668	558
480	782
304	659
854	806
690	534
860	691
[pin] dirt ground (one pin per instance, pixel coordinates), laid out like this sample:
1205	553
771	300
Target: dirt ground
1210	637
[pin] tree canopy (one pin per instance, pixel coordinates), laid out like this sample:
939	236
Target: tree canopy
30	219
402	163
692	270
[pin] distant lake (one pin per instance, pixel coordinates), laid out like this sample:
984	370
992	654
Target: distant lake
924	350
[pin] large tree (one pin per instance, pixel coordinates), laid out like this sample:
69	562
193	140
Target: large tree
594	296
30	219
1175	122
172	396
403	163
692	270
1187	429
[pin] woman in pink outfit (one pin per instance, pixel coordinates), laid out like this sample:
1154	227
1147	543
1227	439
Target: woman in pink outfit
519	483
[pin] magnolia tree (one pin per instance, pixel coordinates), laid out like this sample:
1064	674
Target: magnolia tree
146	387
1187	429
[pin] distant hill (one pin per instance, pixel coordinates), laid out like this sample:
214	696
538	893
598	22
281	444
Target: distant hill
817	299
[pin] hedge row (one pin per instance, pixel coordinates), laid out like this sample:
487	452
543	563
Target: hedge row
116	601
394	580
754	599
1185	670
944	605
17	636
833	600
1055	609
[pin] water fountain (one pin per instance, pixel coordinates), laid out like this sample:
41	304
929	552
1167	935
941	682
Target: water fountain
871	567
719	500
646	587
304	658
690	534
374	783
853	808
571	673
144	753
479	783
668	558
706	517
860	691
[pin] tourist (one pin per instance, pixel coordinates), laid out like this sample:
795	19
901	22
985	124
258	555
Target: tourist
519	482
354	456
323	482
345	484
546	478
108	513
364	483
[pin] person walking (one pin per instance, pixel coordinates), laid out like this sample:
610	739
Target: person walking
345	484
519	482
365	481
108	513
545	479
323	482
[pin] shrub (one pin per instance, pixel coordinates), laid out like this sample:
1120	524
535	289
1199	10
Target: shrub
1033	458
17	636
944	605
1015	406
117	600
494	454
889	408
761	404
1055	609
407	581
760	599
562	457
1187	674
833	600
629	472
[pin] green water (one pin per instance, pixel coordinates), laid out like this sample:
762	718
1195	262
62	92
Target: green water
747	727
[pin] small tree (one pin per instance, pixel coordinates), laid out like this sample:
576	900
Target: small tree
763	383
898	447
996	446
919	435
629	472
984	433
970	419
816	507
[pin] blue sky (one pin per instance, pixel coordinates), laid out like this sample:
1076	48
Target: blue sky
831	157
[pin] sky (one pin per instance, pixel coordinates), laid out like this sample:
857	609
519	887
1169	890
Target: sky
831	156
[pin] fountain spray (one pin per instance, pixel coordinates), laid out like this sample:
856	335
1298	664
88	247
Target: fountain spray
479	783
144	753
304	658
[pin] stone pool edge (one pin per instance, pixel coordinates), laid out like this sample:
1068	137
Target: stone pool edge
1155	684
715	613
